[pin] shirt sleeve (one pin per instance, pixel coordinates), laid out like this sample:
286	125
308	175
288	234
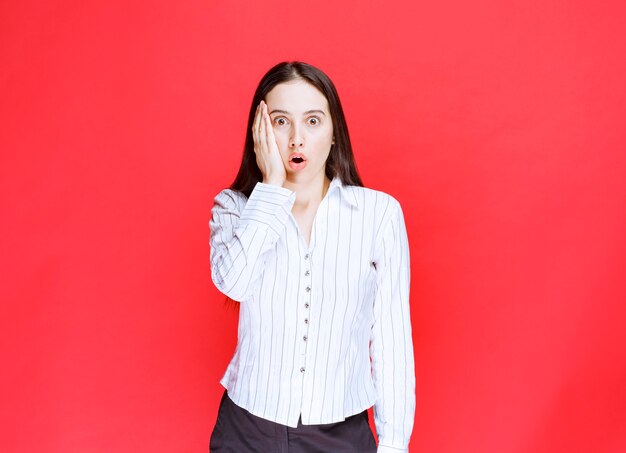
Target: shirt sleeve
391	345
241	233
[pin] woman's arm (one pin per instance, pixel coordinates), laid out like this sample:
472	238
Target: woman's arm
391	346
241	236
240	239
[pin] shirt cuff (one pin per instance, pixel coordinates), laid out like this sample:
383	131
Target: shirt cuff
268	205
386	449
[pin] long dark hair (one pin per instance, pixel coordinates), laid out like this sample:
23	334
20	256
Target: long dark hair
340	161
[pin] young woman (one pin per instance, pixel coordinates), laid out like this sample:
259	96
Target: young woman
320	266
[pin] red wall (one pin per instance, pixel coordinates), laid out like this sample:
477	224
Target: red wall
498	125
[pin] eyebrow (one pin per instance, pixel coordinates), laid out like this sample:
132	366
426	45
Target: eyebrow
308	112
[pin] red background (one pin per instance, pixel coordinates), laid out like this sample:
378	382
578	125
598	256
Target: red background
498	125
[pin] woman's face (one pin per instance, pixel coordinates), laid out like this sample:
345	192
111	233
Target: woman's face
303	128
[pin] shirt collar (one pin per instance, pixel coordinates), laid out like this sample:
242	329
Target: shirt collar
346	194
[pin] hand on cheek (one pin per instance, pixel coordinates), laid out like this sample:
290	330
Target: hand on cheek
266	149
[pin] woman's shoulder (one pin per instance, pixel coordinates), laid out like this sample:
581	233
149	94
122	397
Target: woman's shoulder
230	198
370	197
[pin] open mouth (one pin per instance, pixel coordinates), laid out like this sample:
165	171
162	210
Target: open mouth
297	161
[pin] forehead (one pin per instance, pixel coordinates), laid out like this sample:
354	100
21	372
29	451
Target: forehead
296	96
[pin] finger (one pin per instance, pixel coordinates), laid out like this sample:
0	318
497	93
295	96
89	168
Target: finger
261	108
262	132
258	120
255	125
271	139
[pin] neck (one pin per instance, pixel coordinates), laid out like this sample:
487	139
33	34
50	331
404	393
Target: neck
309	192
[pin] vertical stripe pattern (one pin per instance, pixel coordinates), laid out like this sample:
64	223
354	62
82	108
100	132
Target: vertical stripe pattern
324	328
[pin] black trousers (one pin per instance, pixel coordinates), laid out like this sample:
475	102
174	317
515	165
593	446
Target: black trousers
238	431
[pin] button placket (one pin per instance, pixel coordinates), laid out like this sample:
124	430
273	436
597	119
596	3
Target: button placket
307	288
307	305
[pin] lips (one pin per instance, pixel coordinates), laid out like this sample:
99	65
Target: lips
297	161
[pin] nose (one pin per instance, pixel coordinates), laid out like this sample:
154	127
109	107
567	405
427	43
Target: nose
296	140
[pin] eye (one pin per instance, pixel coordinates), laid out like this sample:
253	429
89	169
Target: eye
313	121
280	120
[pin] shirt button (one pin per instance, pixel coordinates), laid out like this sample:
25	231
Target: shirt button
302	370
306	257
307	273
306	305
308	289
304	338
306	320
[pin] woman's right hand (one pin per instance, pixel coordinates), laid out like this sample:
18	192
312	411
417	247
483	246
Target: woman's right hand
266	149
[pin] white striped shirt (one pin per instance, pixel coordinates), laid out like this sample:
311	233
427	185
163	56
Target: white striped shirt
311	317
